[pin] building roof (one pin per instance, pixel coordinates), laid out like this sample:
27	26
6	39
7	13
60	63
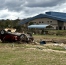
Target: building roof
51	15
57	14
38	26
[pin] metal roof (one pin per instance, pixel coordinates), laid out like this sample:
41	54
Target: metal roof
51	15
38	26
57	14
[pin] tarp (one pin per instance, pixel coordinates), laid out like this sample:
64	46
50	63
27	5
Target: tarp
38	26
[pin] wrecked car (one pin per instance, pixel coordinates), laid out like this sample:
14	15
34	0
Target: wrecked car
10	36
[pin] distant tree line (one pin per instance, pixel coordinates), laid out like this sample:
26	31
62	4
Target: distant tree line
10	24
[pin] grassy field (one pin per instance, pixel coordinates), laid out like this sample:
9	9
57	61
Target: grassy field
28	54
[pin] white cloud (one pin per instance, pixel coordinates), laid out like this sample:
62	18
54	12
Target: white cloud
5	14
12	9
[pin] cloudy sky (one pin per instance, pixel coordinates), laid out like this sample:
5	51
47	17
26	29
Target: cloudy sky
13	9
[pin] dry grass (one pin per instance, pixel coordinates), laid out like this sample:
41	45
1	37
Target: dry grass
28	54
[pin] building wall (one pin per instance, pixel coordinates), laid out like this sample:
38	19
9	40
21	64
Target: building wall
65	25
59	25
52	22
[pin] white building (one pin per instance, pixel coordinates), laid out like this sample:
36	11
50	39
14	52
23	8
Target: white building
55	19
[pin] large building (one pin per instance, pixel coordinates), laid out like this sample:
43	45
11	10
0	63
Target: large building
56	19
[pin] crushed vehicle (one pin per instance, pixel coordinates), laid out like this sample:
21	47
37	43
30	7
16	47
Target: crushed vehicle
8	35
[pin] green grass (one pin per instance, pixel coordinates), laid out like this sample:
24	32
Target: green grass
50	36
59	48
27	54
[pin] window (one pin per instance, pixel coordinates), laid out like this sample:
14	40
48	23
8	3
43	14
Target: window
34	22
60	28
39	22
42	22
50	21
64	27
47	21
